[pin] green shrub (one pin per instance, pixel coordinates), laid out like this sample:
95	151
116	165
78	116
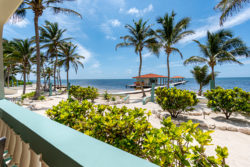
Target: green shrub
28	95
129	129
228	100
113	98
107	96
175	100
41	98
81	93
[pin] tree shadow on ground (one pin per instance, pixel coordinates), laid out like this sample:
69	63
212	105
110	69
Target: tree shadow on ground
233	121
184	118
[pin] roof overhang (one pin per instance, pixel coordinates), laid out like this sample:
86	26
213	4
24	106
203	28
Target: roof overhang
7	8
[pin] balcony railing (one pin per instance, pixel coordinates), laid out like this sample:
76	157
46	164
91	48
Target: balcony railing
59	145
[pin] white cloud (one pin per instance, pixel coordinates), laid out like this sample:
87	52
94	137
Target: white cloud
115	23
133	11
147	55
84	52
95	65
213	25
111	37
19	23
108	26
139	13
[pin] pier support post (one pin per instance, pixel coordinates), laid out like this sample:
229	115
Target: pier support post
153	93
50	89
212	84
68	88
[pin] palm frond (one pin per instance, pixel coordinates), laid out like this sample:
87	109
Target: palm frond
195	59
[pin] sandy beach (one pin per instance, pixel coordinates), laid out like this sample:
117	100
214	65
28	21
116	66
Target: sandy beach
226	132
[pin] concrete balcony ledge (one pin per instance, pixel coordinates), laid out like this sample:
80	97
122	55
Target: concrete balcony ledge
62	146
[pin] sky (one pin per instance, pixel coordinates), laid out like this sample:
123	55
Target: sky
102	25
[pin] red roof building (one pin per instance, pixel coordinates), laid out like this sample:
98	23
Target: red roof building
151	76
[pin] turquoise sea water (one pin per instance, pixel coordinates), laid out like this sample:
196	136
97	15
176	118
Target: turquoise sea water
116	85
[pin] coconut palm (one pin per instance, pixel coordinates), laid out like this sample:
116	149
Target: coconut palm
69	57
170	34
24	51
48	73
38	7
52	36
220	48
10	59
201	76
228	7
141	36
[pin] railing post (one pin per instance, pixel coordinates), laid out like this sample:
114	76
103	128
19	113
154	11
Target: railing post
153	93
68	88
1	65
50	89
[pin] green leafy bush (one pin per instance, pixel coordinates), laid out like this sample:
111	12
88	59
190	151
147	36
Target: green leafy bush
129	129
107	96
81	93
228	100
28	95
41	98
175	100
113	98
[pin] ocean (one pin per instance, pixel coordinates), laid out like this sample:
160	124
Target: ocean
116	85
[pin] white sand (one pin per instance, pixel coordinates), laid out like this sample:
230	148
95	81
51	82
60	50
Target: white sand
237	143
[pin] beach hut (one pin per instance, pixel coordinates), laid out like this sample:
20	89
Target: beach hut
148	79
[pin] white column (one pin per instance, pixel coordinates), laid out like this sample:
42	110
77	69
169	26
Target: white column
1	65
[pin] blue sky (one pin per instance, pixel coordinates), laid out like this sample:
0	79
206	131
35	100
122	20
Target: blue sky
103	23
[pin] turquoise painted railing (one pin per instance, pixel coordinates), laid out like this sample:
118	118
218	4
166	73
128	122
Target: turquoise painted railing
62	146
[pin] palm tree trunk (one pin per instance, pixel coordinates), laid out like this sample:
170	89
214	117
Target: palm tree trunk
24	78
67	77
143	93
8	77
212	72
38	82
168	69
200	90
55	74
60	80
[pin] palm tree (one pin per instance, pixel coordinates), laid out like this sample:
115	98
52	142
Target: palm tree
220	48
228	7
201	76
38	7
24	50
170	34
10	59
52	36
48	73
69	57
141	36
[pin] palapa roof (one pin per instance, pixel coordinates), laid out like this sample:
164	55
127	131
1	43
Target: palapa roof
177	77
151	76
